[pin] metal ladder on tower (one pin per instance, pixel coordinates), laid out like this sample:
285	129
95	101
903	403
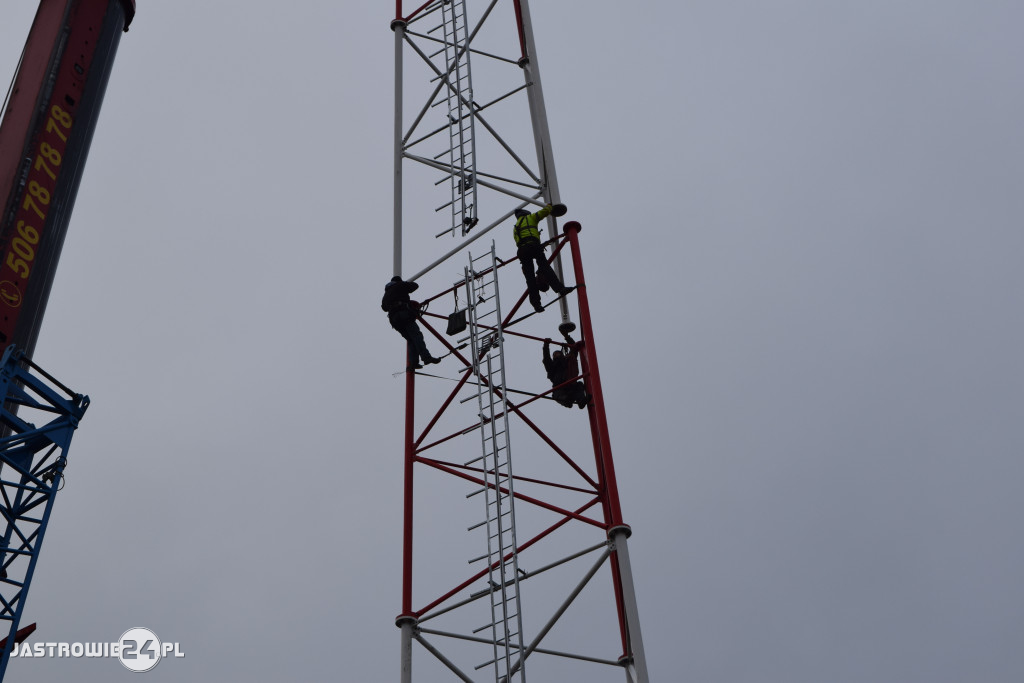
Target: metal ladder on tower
461	151
487	344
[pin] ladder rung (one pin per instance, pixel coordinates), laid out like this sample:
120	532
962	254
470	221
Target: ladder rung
467	430
477	668
444	233
488	625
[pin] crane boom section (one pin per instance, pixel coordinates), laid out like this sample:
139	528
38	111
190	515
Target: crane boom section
44	141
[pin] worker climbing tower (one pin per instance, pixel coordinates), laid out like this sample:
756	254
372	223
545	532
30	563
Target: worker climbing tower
515	558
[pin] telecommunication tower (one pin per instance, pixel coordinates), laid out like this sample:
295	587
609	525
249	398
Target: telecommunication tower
515	556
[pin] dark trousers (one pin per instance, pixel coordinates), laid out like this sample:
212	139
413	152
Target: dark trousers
405	322
530	253
575	393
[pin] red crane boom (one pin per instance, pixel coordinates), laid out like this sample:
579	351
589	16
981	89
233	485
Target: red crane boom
44	141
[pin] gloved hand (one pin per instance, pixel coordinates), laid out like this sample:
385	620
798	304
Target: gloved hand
548	207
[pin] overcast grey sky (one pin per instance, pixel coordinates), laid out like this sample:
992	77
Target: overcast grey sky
802	235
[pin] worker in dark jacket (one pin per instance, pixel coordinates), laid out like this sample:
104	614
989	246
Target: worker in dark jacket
561	368
402	313
527	236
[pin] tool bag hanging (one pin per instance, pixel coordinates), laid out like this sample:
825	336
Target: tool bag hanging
457	320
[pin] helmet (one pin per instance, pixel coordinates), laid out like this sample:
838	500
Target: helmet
522	212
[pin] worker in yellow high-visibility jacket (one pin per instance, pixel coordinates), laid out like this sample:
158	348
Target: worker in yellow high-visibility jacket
527	235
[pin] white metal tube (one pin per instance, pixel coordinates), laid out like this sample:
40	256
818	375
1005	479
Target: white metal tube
542	137
618	537
406	625
399	28
538	113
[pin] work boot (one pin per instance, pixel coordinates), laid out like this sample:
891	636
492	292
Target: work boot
542	283
430	360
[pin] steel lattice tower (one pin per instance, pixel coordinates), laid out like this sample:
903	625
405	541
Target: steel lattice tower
512	497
